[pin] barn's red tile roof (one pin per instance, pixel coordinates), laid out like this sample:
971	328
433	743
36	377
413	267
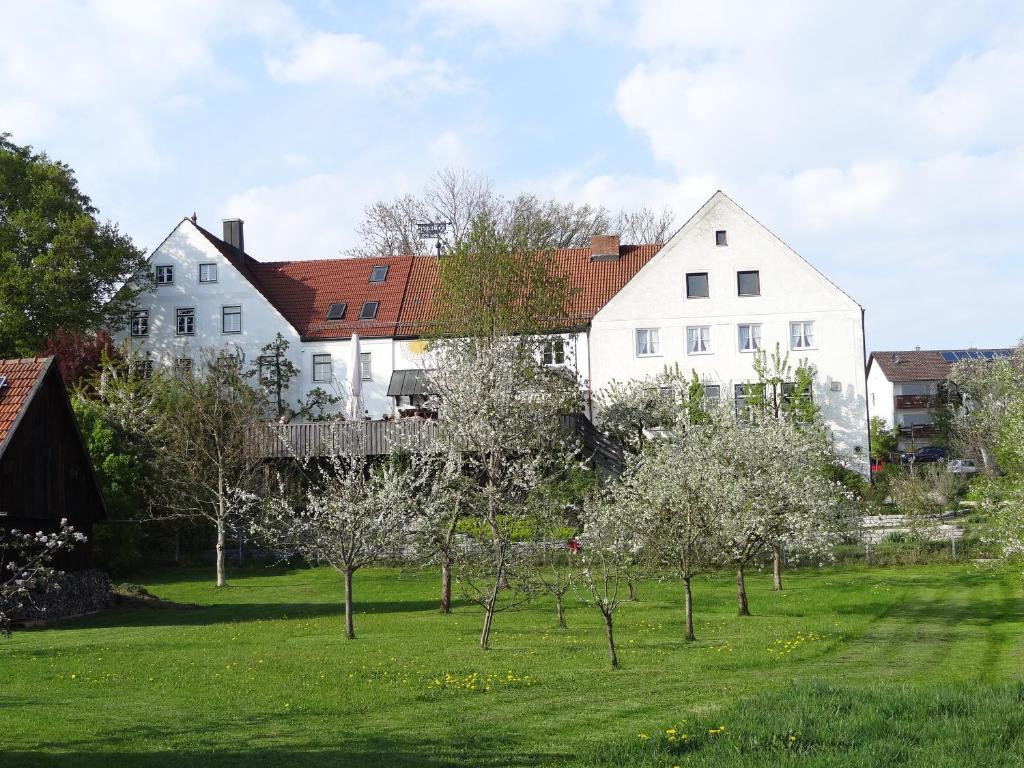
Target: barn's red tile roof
21	379
303	291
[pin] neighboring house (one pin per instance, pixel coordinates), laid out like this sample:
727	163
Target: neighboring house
45	470
720	289
904	386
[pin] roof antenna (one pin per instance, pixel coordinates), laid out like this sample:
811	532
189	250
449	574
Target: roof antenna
435	229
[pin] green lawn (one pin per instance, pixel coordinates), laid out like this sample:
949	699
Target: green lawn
861	667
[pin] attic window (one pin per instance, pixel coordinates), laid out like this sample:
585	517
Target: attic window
369	310
379	274
720	238
337	310
3	382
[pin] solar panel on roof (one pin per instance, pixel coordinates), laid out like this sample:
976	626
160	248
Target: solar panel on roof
949	357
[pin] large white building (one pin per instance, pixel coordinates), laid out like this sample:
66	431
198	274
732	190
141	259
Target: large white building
720	289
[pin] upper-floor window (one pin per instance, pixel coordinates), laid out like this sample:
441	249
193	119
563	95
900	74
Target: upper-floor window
231	319
698	340
323	370
140	322
369	310
720	237
207	273
337	310
648	342
748	283
186	321
697	285
750	337
379	274
164	274
553	352
365	371
801	334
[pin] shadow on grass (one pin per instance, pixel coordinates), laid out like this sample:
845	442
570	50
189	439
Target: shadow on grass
352	752
222	613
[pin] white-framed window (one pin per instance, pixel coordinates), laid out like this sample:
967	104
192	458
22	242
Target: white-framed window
553	352
231	319
165	274
183	367
323	369
750	337
698	340
801	334
207	273
185	324
365	371
140	322
648	342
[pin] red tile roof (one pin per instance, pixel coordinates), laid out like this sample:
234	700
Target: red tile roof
303	291
920	364
22	378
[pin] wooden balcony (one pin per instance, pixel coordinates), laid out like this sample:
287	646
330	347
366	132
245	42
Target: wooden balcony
918	430
913	401
304	440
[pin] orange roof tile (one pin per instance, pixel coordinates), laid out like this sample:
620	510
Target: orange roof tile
21	378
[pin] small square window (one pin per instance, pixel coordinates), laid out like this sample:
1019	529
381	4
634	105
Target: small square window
231	320
183	367
750	337
165	275
837	386
553	352
801	335
207	273
323	370
186	322
698	340
365	371
145	368
697	285
369	310
712	392
379	274
337	311
648	342
720	238
140	322
748	283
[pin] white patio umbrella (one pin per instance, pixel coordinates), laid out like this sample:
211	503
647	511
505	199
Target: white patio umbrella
355	381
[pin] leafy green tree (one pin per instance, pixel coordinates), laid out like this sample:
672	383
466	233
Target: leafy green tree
782	390
884	441
274	371
60	267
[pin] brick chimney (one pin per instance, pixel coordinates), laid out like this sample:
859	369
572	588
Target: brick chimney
604	248
234	234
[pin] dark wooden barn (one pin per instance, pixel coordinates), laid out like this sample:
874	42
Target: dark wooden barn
45	471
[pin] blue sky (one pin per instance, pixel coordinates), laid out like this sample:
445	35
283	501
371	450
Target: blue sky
881	140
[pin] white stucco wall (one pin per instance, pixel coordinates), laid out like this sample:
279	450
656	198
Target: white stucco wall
880	395
791	290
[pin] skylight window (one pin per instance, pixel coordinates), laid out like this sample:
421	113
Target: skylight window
369	310
337	310
379	274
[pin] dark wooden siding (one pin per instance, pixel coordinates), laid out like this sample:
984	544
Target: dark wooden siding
45	473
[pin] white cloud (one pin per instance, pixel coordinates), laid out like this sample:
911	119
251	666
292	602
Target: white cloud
354	60
519	23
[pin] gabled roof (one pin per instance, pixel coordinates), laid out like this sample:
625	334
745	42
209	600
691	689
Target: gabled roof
918	364
303	290
22	380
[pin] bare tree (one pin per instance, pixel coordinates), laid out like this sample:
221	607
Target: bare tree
206	463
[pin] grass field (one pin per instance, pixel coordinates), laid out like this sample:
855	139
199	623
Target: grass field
859	667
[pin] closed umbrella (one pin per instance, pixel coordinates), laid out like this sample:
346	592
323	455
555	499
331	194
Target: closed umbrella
355	380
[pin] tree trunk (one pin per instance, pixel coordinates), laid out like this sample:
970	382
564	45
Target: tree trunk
489	606
220	552
632	589
690	637
350	632
611	639
560	610
741	592
777	568
446	587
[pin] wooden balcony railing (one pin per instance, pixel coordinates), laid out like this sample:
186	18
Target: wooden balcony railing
913	401
918	430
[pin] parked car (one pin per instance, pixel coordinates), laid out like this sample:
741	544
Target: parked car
930	454
961	467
